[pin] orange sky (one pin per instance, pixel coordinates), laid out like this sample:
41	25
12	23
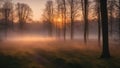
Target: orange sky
37	6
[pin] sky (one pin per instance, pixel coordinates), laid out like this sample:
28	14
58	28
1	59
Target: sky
36	5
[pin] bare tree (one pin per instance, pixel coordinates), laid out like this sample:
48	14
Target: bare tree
117	5
85	6
1	1
97	9
59	13
111	10
119	16
49	16
24	13
62	12
6	12
12	16
74	12
104	19
99	22
119	19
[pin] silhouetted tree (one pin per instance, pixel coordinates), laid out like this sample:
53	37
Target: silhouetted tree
74	10
61	13
64	11
49	16
0	18
97	7
71	2
24	13
110	9
12	16
104	19
6	12
85	6
117	5
119	19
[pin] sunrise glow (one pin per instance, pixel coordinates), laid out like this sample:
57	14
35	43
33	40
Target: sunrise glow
30	38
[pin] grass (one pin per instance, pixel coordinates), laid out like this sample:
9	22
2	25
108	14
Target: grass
56	54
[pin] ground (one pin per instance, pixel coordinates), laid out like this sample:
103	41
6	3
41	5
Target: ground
56	54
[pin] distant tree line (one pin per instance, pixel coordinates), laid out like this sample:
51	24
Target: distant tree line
105	12
69	11
11	13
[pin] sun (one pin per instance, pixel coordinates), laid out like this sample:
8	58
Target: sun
59	20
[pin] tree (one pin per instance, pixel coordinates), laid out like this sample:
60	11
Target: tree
111	8
62	13
97	7
119	16
1	1
119	19
71	16
6	12
24	13
48	14
12	16
58	2
117	5
74	12
85	6
104	19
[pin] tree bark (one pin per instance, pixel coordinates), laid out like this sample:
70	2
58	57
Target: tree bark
119	20
99	22
72	21
104	18
85	16
64	3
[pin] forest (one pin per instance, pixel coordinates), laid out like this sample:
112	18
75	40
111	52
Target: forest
67	34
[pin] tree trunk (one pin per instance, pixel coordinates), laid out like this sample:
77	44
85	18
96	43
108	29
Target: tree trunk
64	3
72	20
99	23
119	20
111	17
104	18
84	4
86	20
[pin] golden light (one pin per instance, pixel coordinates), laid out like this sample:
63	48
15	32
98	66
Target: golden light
59	20
29	38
